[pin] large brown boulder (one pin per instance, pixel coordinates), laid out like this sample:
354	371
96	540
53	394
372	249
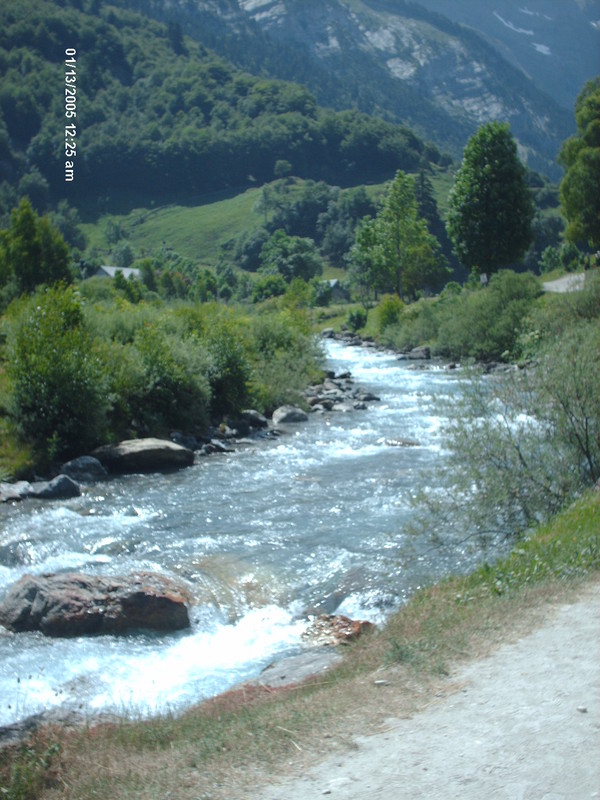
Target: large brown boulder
72	604
144	455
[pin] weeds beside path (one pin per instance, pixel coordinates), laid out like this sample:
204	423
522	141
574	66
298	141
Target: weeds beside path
521	723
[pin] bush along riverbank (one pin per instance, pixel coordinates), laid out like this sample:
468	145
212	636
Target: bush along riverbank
77	374
336	393
224	747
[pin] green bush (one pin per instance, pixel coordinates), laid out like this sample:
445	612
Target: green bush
58	393
389	311
357	319
229	370
485	323
526	443
175	390
285	357
418	325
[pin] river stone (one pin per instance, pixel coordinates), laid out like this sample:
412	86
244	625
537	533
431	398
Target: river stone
335	629
73	604
60	488
421	352
285	414
254	418
144	455
85	469
14	491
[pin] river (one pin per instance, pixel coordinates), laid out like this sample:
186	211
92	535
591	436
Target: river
315	520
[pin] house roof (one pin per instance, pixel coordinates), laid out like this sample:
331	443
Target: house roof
110	272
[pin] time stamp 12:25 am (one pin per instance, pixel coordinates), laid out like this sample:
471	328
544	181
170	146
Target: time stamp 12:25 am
70	112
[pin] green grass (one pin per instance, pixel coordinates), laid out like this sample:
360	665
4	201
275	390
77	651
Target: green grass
195	232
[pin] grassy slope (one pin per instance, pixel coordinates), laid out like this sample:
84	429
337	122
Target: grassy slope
195	232
222	748
198	232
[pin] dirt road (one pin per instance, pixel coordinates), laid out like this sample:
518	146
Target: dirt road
522	724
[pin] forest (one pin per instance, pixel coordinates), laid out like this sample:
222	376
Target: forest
160	117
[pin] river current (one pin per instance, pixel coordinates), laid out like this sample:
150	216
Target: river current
314	520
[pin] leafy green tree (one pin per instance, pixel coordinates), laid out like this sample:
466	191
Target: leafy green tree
396	250
363	260
268	286
291	257
490	205
148	274
33	251
580	157
412	257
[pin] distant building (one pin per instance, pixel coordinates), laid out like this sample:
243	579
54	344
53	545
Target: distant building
110	272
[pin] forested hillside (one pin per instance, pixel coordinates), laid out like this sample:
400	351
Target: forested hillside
159	116
393	59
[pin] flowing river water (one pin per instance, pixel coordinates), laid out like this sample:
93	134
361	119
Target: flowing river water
314	520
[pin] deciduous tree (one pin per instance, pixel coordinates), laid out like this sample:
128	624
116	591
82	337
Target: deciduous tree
580	156
491	208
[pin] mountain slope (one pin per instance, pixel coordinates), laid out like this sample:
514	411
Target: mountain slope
157	117
555	42
396	59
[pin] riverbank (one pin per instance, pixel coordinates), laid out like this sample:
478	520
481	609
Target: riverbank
240	741
520	722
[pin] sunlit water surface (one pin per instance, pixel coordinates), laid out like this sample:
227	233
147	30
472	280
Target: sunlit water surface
315	520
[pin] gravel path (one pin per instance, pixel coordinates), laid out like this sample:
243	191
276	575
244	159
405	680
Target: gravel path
523	724
570	283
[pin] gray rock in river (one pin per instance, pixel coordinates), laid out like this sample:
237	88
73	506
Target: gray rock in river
72	604
285	414
144	455
60	488
85	469
254	418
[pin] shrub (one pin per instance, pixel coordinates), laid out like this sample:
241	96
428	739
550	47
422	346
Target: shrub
229	370
58	384
419	325
485	323
175	391
285	358
526	444
389	311
357	319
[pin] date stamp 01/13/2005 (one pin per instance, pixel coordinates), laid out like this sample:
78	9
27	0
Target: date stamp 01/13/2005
70	113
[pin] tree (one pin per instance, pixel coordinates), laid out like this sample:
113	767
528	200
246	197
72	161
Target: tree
290	256
395	251
580	156
364	259
490	205
33	251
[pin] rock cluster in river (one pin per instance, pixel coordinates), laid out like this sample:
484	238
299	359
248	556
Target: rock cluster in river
337	393
72	604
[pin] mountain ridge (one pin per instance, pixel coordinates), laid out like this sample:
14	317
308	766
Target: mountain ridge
404	61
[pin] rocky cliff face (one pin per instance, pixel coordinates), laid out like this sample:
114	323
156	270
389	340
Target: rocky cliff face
442	68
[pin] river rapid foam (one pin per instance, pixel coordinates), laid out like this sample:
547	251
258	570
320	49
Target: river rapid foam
312	521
